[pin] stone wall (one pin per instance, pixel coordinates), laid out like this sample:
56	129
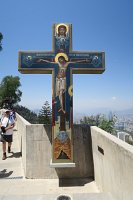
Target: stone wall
21	125
36	152
113	164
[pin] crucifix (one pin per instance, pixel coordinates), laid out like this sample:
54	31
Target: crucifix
62	62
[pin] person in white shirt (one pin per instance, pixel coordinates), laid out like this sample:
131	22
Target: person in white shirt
7	124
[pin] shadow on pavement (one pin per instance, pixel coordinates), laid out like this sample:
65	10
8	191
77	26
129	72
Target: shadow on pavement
15	155
5	174
68	182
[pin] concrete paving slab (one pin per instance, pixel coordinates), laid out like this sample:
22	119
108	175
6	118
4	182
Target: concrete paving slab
92	196
46	186
12	166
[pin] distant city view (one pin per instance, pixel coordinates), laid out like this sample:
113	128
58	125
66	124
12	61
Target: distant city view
123	124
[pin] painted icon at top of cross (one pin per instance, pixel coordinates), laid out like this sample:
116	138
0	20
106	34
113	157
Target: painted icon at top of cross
62	38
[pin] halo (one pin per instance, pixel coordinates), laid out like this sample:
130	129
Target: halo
70	90
61	54
29	57
61	25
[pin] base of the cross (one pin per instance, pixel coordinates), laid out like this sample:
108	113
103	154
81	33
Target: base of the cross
61	165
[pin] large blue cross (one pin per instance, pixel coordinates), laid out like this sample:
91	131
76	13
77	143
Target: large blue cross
62	62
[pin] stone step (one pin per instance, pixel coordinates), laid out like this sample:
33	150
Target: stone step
78	196
92	196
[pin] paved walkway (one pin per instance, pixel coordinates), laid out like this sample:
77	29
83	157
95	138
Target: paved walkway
13	185
11	168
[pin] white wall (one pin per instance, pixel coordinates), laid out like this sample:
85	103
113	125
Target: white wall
21	126
113	171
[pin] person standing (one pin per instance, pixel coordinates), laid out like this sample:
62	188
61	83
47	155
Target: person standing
7	123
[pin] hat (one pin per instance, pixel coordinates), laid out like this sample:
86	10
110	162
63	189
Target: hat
7	110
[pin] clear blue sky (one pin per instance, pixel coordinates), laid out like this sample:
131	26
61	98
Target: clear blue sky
101	25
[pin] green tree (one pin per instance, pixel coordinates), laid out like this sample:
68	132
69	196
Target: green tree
101	121
1	37
107	124
26	114
91	120
45	114
10	94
